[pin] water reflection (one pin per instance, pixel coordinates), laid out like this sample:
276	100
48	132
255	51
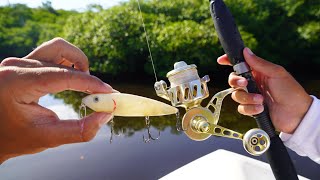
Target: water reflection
63	111
149	137
131	158
229	118
126	126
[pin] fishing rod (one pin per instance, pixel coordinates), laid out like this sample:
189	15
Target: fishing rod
199	123
233	46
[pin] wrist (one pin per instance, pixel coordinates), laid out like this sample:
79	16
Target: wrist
304	139
305	107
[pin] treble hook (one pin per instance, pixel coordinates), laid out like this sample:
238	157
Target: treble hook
147	140
179	123
112	132
84	109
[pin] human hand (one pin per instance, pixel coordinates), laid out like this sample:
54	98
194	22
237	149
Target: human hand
58	51
286	99
25	126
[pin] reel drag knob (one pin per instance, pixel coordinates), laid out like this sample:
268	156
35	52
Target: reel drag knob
256	142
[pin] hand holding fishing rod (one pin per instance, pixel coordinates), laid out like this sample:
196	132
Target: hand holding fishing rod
279	98
232	44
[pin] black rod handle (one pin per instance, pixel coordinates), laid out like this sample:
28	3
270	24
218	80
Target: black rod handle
231	41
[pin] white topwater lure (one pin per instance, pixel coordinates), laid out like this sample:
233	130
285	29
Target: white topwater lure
127	105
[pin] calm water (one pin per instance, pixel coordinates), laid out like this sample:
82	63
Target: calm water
128	157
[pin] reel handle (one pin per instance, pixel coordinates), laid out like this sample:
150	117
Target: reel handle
233	46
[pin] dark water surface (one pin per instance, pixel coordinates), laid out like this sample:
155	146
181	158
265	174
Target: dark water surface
128	157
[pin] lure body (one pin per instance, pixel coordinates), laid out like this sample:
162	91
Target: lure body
127	105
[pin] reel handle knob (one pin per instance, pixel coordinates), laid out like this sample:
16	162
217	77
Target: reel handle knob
256	141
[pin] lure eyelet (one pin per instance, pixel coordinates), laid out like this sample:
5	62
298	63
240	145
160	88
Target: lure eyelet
82	111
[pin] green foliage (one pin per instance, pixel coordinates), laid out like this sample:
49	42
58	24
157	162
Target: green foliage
310	31
114	39
109	38
282	31
23	28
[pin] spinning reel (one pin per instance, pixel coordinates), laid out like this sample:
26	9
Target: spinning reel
199	123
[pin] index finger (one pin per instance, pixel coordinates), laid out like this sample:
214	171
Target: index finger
53	80
224	60
59	51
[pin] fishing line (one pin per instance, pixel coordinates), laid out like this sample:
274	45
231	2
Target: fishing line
147	38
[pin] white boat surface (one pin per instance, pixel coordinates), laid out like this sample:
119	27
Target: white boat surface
226	165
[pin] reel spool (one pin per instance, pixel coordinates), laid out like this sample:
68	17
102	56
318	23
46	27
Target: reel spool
188	90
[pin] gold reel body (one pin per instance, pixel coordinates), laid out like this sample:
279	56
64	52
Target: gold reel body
199	123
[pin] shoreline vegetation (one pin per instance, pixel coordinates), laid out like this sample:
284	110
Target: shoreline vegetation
286	32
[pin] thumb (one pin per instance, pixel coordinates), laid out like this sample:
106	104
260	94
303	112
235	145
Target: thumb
260	65
74	131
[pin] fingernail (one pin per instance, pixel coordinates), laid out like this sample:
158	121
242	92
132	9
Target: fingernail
115	91
107	85
88	72
249	51
257	98
241	82
259	108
